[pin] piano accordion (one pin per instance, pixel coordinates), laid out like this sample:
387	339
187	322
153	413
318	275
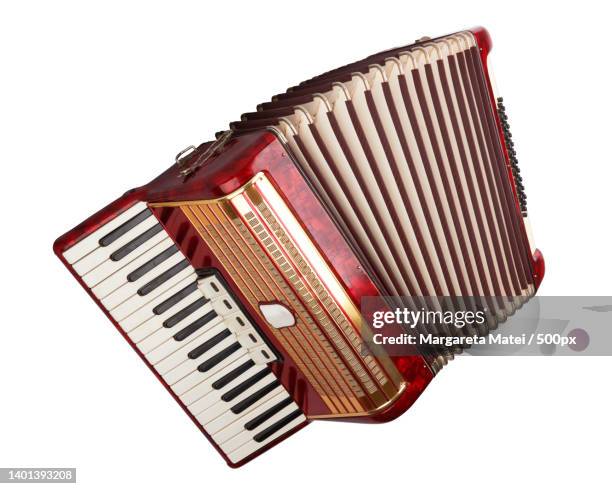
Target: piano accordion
237	275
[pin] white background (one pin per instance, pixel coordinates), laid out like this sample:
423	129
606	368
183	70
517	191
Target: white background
96	99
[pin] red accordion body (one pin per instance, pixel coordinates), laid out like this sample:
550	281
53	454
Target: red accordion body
233	183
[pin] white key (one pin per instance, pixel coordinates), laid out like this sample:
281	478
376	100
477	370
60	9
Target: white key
136	301
119	278
236	321
108	267
171	353
261	355
156	321
103	253
246	436
145	313
212	402
163	334
190	383
211	287
229	424
90	242
250	340
249	337
210	412
226	304
128	289
252	446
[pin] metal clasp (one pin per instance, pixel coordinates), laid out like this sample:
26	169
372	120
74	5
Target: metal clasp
203	158
183	154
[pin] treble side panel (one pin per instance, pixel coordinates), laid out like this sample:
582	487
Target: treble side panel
227	171
275	162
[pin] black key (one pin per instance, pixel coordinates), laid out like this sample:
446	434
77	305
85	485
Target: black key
256	396
183	313
266	415
234	392
152	263
164	277
175	299
193	327
208	344
219	357
270	430
115	234
234	374
135	243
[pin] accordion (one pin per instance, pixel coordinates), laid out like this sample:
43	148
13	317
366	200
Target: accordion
238	274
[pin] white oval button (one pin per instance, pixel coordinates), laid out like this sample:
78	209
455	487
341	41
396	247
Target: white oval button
277	315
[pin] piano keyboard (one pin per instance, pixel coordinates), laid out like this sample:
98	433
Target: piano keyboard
189	328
